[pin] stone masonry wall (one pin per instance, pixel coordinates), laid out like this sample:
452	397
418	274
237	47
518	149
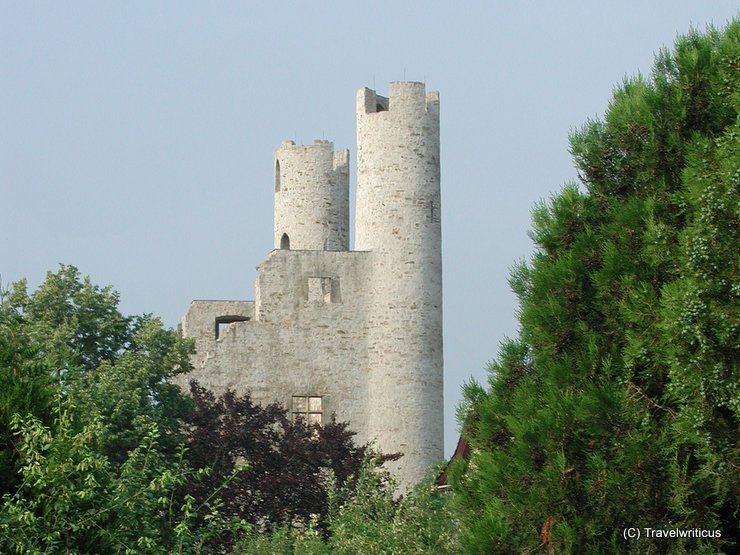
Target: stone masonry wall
398	219
306	338
358	331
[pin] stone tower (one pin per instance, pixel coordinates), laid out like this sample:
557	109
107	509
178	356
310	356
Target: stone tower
311	197
398	219
355	333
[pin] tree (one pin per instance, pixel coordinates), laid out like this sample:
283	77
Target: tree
76	323
108	365
93	458
73	500
288	462
26	387
366	516
617	406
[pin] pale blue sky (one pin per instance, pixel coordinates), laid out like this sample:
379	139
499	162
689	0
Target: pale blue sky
137	138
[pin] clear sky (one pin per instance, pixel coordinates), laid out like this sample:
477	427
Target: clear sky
137	138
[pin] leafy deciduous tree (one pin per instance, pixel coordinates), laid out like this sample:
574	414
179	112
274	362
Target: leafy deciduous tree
366	516
289	462
73	500
108	365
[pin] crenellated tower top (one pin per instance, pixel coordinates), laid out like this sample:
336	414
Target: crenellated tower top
398	219
311	197
398	173
404	98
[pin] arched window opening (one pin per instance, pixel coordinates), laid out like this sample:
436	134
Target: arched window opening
277	176
285	242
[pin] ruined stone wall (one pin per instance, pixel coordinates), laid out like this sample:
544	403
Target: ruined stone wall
360	330
306	338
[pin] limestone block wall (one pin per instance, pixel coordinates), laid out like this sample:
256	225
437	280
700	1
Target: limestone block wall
307	338
360	330
398	219
311	197
206	320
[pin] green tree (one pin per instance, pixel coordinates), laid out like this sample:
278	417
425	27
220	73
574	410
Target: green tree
26	387
108	365
73	500
93	458
617	406
367	516
76	323
374	520
700	321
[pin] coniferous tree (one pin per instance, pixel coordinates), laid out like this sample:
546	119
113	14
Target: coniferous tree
617	406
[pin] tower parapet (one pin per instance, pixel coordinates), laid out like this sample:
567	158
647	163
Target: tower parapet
397	165
311	197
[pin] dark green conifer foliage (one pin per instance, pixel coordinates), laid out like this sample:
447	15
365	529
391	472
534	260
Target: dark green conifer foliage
618	404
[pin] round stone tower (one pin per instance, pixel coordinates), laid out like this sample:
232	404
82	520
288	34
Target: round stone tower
398	219
311	197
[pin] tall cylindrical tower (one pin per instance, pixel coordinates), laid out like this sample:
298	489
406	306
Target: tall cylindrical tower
398	219
311	197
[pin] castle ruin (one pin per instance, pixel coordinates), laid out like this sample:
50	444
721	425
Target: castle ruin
356	333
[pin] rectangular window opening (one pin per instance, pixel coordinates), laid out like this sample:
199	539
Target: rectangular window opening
309	408
320	290
223	322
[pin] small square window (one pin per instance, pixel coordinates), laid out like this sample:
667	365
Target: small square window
319	289
310	408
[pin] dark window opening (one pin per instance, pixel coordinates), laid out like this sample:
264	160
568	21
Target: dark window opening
277	176
285	242
381	104
223	321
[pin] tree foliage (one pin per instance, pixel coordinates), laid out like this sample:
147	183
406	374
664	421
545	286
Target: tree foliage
366	516
617	406
77	324
289	462
74	500
90	426
70	336
26	387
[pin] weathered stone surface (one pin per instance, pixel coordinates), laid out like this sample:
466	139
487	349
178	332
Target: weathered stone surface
360	329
